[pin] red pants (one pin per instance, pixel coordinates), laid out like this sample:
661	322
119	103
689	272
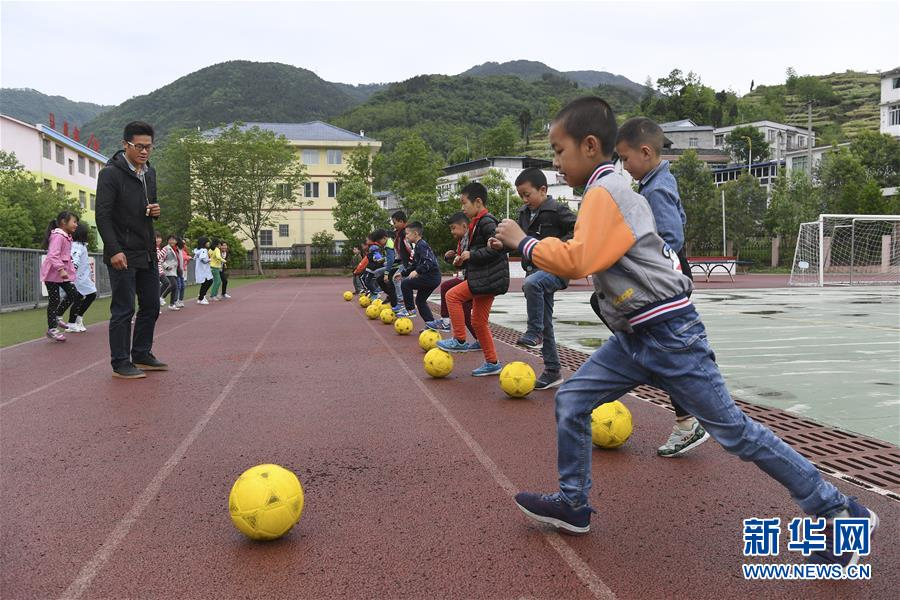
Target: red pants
481	309
467	306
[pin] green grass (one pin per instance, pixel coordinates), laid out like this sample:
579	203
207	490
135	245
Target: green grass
23	325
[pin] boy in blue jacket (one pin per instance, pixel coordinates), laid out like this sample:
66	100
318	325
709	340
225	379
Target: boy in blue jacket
422	274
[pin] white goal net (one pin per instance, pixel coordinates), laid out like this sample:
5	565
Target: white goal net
848	250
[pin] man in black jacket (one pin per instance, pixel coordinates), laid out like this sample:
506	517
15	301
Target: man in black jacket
126	208
542	217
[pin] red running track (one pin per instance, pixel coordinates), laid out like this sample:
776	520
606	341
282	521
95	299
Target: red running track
117	489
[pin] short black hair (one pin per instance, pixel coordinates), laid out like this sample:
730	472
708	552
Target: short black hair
137	128
378	234
81	233
399	216
475	190
458	217
590	115
202	241
416	226
172	236
641	131
534	176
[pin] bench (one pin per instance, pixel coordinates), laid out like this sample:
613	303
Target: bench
708	265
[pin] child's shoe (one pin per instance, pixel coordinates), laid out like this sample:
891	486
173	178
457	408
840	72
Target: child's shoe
488	368
438	325
162	301
453	345
553	510
548	379
854	510
682	441
531	340
409	314
56	335
475	346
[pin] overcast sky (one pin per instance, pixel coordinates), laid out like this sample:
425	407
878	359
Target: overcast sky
107	52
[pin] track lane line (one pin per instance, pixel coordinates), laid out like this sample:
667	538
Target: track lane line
581	569
90	570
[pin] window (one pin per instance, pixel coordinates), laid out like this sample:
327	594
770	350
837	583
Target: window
334	157
47	149
311	190
81	166
265	237
799	163
310	157
283	190
771	135
93	202
720	139
93	169
284	230
60	188
896	82
693	142
71	167
895	114
802	141
333	188
60	156
48	184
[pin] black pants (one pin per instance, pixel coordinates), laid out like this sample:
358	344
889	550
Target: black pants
164	285
388	288
125	345
173	288
204	287
80	306
425	285
55	306
223	275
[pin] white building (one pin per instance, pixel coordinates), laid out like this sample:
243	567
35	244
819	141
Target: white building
799	159
686	134
782	138
890	102
509	167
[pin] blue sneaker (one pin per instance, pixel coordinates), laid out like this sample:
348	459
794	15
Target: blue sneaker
854	510
553	510
409	314
474	347
453	345
396	308
488	368
438	325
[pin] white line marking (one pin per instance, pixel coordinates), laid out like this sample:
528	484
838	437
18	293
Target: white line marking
123	527
578	566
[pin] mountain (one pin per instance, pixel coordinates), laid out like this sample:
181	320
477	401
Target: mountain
230	91
531	70
452	112
34	107
363	91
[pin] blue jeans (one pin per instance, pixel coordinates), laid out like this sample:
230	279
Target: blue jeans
539	288
179	286
675	356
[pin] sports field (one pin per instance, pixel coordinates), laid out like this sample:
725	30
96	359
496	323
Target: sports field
118	489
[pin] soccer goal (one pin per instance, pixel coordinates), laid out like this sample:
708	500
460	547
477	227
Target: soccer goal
848	250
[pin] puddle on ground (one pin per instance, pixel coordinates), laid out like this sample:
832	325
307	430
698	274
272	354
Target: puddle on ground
581	323
855	315
762	312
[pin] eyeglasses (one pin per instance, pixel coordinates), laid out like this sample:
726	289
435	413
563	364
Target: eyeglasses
140	147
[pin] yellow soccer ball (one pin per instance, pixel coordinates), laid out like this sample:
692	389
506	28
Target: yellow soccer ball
388	316
377	302
403	326
428	339
373	311
364	301
517	379
265	502
438	363
348	296
610	425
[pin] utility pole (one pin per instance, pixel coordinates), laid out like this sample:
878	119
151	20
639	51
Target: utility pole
809	139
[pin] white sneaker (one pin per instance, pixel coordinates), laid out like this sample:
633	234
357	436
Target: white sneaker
204	301
73	328
179	304
174	307
162	301
215	298
227	296
683	440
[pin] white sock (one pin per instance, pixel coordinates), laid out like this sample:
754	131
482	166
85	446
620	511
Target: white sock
686	424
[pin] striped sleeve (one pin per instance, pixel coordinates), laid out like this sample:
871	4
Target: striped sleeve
602	237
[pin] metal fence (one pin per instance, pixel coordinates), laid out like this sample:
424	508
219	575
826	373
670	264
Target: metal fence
755	250
20	278
295	258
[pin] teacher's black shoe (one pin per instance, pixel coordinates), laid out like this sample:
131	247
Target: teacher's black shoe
128	371
150	363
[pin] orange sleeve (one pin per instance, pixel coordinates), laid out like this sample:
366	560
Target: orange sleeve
361	266
601	238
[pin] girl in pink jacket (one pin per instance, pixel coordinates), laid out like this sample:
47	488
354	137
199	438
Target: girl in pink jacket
57	271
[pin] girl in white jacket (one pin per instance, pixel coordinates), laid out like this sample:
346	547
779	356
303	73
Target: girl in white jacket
84	280
202	270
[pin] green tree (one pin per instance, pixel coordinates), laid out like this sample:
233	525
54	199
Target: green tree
736	144
499	189
745	207
16	228
199	226
846	186
360	165
173	181
879	155
413	168
525	123
215	172
323	240
699	197
794	200
500	140
356	212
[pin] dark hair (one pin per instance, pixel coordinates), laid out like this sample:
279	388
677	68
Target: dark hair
589	115
172	236
475	190
180	243
61	218
201	241
641	131
399	216
534	176
81	233
158	234
214	242
458	217
137	128
416	226
377	235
